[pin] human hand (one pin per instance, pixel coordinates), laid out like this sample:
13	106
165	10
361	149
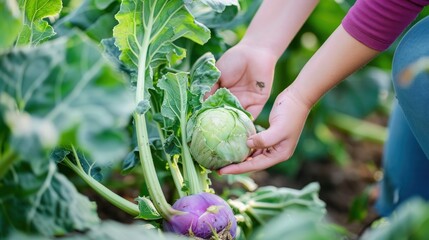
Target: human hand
278	142
247	71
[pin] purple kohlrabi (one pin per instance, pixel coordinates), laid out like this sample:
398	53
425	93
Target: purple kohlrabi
204	215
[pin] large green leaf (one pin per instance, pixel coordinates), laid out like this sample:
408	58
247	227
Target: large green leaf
360	94
43	201
217	5
67	87
258	207
409	221
146	32
175	103
36	29
94	17
214	13
204	74
117	231
10	18
297	224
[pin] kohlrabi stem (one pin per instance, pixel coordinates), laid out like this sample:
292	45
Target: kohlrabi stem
188	164
106	193
203	176
149	172
6	161
174	168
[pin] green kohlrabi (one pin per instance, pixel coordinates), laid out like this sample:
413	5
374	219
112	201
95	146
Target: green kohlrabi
219	137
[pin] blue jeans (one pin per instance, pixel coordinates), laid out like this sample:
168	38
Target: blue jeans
406	153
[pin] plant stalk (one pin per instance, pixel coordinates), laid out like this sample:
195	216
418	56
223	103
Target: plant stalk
188	164
146	160
106	193
149	172
174	168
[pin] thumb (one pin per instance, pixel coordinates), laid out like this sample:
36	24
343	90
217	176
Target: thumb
270	137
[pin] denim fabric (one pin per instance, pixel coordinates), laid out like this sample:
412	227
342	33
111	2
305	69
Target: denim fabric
406	153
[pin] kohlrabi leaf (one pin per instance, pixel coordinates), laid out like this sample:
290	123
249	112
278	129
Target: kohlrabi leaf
147	209
175	101
10	19
299	224
94	17
217	5
36	29
116	231
214	14
43	201
204	75
145	36
267	202
409	221
66	90
221	98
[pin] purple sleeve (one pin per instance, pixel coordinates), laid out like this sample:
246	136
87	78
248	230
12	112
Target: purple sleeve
377	23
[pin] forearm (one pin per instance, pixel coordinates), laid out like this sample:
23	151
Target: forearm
338	57
276	23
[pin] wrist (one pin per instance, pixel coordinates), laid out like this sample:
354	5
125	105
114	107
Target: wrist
253	43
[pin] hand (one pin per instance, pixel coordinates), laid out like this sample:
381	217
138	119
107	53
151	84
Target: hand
278	142
247	71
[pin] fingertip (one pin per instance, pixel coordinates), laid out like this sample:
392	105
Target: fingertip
230	169
250	142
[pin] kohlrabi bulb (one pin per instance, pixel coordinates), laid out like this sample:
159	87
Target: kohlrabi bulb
219	137
204	215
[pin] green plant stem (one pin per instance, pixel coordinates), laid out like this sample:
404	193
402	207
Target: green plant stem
174	168
188	163
6	162
358	128
106	193
149	172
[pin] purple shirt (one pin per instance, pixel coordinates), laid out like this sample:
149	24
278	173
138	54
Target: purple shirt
377	23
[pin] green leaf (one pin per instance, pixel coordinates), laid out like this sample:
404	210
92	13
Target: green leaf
204	74
10	19
43	202
269	201
297	224
117	231
146	32
94	17
215	14
409	221
221	98
175	95
67	86
147	209
360	94
37	30
217	5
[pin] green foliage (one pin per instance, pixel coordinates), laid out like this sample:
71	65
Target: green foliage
41	200
297	224
9	19
61	89
410	221
35	28
257	208
94	17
